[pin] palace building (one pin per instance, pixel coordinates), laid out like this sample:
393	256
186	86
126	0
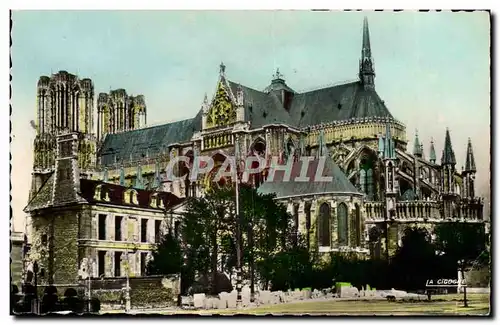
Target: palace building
100	191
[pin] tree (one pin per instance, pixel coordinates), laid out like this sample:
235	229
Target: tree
415	261
167	257
205	221
209	232
461	241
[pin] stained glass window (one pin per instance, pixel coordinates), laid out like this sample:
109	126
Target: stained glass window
342	224
324	225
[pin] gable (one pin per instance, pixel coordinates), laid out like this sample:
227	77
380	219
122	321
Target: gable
222	110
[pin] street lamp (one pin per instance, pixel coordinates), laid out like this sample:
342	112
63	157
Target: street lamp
35	271
127	270
238	227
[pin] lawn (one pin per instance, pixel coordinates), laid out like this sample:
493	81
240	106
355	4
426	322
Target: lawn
443	305
479	304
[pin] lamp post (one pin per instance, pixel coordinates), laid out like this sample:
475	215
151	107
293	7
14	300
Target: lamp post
89	275
461	267
35	271
238	227
127	277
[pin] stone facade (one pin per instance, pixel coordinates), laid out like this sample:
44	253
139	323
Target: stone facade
16	257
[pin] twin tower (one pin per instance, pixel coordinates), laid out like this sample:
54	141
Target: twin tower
65	104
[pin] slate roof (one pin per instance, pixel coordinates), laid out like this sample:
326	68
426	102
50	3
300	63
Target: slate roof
44	197
149	141
339	185
342	102
116	194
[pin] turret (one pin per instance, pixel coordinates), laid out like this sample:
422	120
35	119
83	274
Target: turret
469	172
139	183
417	148
448	189
432	153
279	88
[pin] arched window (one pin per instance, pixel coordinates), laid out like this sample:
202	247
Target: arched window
307	210
342	233
259	149
295	223
366	178
324	225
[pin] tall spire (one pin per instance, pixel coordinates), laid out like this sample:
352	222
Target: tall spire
432	154
417	148
366	69
470	163
448	157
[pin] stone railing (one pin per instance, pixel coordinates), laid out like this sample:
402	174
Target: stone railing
472	209
404	210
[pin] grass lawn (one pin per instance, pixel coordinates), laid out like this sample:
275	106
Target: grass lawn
479	304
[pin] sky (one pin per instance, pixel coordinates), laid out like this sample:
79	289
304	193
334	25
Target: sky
432	69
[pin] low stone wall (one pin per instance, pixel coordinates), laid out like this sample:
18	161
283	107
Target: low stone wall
478	278
476	290
145	292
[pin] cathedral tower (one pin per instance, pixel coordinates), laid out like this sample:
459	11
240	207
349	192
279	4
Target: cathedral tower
118	112
64	104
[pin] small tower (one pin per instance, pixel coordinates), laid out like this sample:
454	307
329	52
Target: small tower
448	190
280	89
157	179
432	153
122	176
205	106
469	172
366	66
322	149
139	183
417	147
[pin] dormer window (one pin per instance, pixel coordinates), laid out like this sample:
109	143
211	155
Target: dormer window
106	195
154	200
97	193
130	197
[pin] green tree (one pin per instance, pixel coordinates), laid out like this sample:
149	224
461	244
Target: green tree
415	261
461	241
206	220
167	257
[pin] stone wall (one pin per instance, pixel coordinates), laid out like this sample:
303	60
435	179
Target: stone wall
145	292
16	262
478	277
55	244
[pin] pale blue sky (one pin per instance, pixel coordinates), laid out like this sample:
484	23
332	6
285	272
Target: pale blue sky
432	68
